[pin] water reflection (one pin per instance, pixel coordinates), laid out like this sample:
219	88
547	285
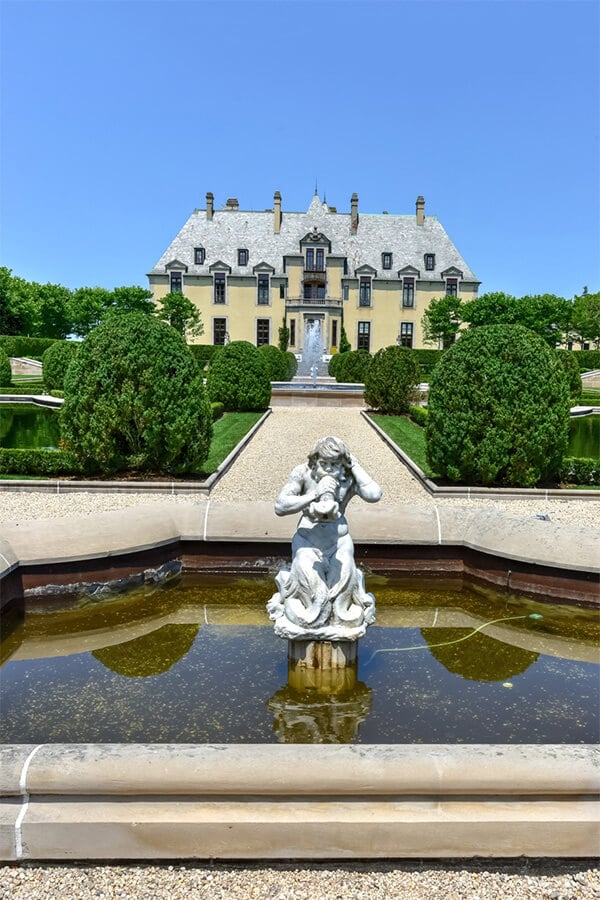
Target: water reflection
199	663
29	427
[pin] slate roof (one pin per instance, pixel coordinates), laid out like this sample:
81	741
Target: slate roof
376	234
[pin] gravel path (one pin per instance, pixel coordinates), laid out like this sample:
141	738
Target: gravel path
261	470
418	880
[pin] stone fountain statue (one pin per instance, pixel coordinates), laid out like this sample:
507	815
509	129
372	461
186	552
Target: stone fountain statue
322	597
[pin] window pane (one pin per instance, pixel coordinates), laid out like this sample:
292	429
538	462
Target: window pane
320	260
219	288
408	292
365	292
262	332
219	331
176	282
364	336
263	289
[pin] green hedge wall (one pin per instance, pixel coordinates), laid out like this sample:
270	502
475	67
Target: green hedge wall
38	462
32	348
428	359
587	359
30	387
580	470
203	353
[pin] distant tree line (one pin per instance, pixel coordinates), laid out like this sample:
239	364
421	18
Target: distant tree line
555	319
54	311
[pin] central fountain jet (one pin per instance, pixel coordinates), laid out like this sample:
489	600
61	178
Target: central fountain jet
322	606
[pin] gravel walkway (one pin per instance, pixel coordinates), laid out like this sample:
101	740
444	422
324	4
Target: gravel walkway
284	441
418	880
259	473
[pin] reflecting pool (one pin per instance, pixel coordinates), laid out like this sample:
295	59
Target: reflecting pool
584	436
197	661
28	426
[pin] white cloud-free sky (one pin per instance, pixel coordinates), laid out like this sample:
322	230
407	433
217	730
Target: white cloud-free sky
118	117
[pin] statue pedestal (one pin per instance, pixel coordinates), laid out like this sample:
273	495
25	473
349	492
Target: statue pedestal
325	666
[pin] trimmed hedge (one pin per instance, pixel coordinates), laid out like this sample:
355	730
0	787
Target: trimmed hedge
334	362
586	359
30	347
31	387
498	409
5	370
204	353
217	410
292	363
352	366
39	462
135	400
56	361
277	362
239	378
428	359
580	470
419	415
391	380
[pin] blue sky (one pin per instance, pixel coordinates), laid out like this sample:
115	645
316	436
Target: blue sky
118	117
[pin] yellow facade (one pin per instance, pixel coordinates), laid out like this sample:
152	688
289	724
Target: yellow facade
247	272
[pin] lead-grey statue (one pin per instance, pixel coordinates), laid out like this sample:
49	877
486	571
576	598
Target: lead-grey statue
322	596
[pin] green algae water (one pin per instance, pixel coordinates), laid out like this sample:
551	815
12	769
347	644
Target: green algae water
29	427
197	661
584	436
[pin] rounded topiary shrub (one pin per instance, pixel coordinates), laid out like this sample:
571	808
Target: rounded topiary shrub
134	400
56	361
352	366
276	362
5	370
498	409
571	367
334	363
292	365
391	380
239	377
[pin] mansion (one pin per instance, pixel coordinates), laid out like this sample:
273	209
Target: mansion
373	274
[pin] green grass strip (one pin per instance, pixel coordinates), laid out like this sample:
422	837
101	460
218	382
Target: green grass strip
228	431
409	437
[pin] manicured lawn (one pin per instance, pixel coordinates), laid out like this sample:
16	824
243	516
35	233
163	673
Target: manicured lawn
228	431
408	436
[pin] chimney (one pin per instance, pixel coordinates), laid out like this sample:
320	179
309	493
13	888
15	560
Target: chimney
420	210
232	203
210	201
276	212
354	214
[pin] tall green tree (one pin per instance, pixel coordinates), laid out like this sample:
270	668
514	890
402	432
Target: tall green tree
181	314
585	318
441	320
88	306
545	314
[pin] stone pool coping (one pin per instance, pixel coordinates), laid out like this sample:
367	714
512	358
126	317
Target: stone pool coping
270	801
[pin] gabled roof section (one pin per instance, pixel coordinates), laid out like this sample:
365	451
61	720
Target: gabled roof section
219	266
176	264
263	267
409	271
315	237
452	272
365	270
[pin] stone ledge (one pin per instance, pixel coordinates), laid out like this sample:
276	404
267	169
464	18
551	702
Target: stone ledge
271	801
106	535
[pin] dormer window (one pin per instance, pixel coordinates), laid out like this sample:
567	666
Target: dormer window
451	287
386	260
429	262
242	257
199	256
176	282
408	293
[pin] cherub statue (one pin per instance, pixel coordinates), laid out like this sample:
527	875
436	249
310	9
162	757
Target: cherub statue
322	596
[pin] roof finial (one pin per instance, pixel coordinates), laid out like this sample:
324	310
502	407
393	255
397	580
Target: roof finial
316	189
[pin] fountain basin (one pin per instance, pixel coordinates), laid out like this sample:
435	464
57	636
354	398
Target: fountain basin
139	801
